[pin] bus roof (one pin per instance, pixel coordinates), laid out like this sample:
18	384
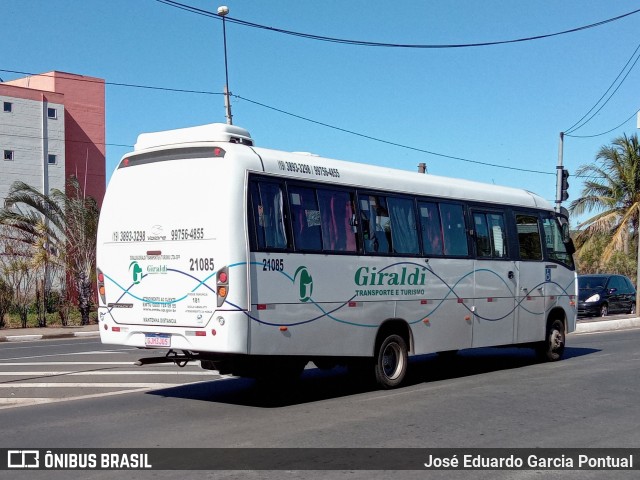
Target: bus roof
312	167
372	177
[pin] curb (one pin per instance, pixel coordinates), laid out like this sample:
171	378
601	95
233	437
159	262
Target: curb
607	325
47	336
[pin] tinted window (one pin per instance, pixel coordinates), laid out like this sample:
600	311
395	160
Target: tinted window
490	236
404	234
453	229
483	242
305	218
587	281
555	246
267	204
617	283
630	285
529	237
337	215
376	224
432	243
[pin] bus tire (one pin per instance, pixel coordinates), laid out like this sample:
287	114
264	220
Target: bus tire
391	361
552	348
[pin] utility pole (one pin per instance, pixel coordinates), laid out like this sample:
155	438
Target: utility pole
223	11
559	172
638	261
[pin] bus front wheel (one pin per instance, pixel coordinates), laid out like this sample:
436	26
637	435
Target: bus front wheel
552	348
391	361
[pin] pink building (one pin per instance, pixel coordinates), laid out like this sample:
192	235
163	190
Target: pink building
52	126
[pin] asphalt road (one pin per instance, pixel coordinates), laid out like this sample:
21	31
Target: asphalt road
78	393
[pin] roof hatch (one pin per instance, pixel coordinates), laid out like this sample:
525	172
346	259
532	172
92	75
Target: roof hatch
214	132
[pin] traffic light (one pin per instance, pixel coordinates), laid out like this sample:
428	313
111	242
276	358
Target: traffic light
564	185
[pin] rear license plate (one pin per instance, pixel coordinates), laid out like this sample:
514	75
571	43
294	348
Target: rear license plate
157	340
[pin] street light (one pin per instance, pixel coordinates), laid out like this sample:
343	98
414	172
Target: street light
223	11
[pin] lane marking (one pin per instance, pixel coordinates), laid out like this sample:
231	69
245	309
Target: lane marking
94	373
101	352
25	402
40	364
39	344
94	385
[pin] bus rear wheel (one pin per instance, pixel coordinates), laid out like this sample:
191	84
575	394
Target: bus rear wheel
391	361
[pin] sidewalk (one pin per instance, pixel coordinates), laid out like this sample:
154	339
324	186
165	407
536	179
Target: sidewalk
585	325
48	333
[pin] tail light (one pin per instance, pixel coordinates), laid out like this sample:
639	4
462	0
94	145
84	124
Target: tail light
101	290
222	285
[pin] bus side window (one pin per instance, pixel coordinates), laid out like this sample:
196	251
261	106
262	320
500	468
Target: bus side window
498	235
305	218
267	204
337	214
404	233
257	216
483	242
454	231
490	235
431	228
529	237
376	224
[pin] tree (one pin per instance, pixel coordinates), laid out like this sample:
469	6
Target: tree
589	258
15	267
6	298
61	229
613	190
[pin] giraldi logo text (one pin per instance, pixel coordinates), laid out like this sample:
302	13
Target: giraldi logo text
367	277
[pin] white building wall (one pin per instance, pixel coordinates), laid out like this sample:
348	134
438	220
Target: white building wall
29	132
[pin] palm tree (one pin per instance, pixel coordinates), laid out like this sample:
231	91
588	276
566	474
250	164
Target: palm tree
613	190
61	230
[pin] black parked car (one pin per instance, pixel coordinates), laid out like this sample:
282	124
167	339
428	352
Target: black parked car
603	294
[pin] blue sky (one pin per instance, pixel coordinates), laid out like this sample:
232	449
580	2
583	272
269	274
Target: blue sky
503	105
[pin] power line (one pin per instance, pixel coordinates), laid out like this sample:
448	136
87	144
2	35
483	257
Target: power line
116	84
362	43
580	123
300	117
388	142
603	133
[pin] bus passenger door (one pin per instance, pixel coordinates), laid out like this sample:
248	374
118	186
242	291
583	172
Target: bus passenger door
495	281
530	317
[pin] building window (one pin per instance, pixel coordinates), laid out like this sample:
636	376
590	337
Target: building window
8	107
52	113
8	154
52	159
